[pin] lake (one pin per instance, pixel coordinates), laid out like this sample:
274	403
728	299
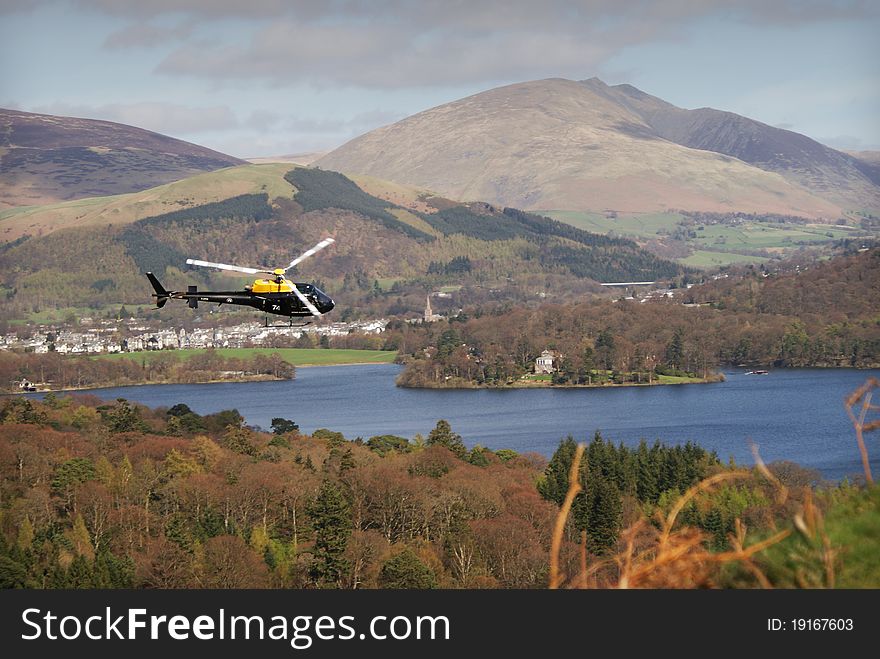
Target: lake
792	414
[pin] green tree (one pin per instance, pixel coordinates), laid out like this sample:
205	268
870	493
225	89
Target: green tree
585	372
383	444
606	351
600	514
449	341
442	435
405	570
675	349
331	520
553	485
20	410
282	426
124	417
187	420
71	473
479	456
239	440
12	573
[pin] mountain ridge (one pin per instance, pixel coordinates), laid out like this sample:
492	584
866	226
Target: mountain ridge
800	159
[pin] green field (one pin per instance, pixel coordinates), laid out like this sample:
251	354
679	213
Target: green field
713	244
387	283
295	356
676	379
706	259
758	235
643	225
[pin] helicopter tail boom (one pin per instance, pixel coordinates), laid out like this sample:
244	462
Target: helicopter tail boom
161	294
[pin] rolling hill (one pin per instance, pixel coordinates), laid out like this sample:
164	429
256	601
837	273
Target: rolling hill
46	158
583	146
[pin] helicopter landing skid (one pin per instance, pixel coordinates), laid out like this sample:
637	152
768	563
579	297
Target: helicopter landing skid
289	325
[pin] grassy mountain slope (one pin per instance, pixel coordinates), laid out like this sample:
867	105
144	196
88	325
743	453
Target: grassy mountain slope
45	158
560	144
125	208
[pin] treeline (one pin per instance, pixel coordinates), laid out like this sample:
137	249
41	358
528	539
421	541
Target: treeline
101	494
154	255
824	316
243	207
81	372
149	253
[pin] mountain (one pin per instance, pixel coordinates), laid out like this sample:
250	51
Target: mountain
46	158
566	145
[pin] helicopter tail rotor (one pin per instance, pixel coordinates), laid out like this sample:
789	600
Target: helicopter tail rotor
161	294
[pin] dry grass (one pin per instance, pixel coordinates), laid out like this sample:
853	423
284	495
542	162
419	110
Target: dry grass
661	555
657	556
862	397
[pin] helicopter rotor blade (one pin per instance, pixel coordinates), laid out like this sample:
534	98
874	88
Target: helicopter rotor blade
317	248
302	298
226	266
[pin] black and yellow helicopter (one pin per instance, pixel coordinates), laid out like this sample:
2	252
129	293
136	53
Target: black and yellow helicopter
277	295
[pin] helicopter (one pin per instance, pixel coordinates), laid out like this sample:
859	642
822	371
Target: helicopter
277	295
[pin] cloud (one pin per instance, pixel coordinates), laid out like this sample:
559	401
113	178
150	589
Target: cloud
397	44
166	118
15	6
147	35
388	44
481	13
390	56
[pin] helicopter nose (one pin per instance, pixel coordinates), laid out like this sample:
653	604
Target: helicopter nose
325	303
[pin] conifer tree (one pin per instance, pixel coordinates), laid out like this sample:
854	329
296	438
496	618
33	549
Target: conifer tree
442	435
406	571
331	521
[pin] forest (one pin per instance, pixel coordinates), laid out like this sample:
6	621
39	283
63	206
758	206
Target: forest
825	315
115	495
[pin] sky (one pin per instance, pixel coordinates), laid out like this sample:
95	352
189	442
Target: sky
274	77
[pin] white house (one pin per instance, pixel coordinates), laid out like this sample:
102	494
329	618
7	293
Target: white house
544	363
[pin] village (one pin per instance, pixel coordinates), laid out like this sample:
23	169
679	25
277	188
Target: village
115	336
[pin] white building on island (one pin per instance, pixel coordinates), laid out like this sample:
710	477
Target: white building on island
544	363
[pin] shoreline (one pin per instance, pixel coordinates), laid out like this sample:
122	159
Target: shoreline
537	385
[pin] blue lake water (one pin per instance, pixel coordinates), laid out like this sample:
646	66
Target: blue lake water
792	414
